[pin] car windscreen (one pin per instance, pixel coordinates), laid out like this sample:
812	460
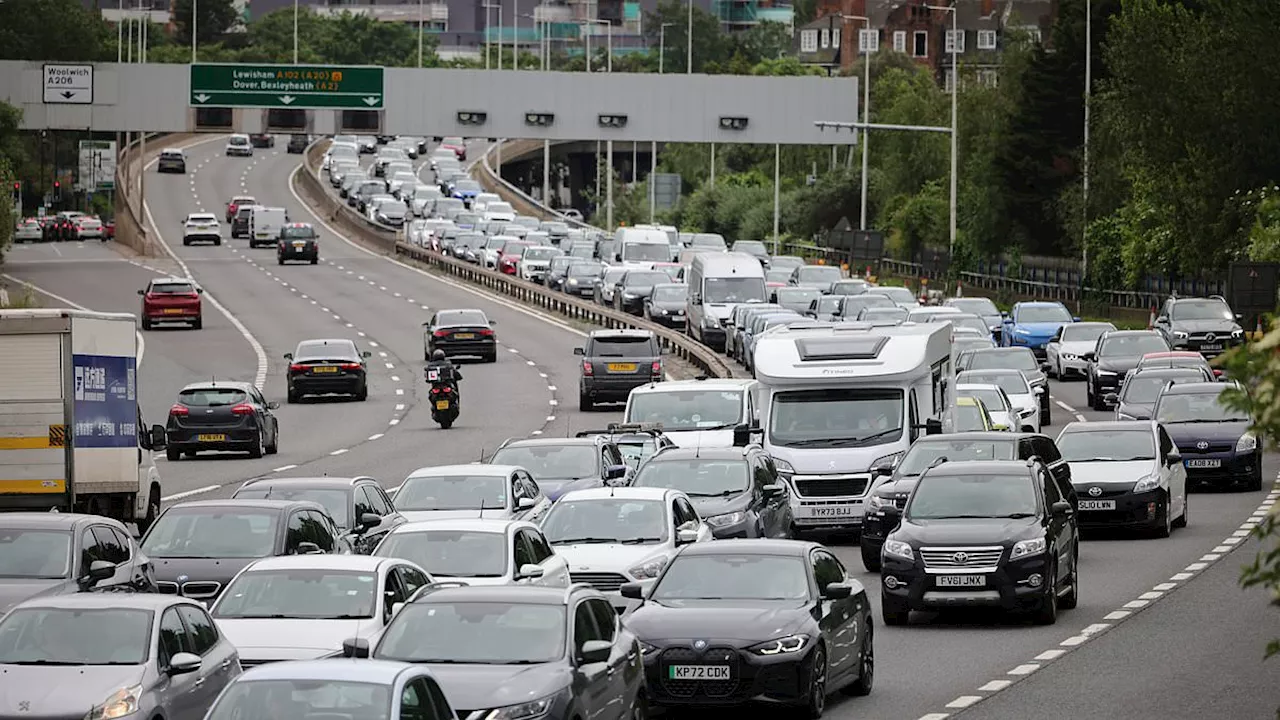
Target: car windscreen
298	233
732	290
336	502
645	252
671	293
75	636
965	417
467	186
453	492
324	698
1084	332
1088	445
212	532
172	288
450	553
1201	310
751	247
626	521
585	269
725	576
27	554
989	396
1196	407
552	462
515	249
797	297
541	253
202	219
836	418
484	633
212	397
696	477
687	409
942	496
461	317
1002	360
645	279
1132	345
1146	387
1013	383
1042	314
393	207
818	273
325	351
299	594
622	346
922	455
978	306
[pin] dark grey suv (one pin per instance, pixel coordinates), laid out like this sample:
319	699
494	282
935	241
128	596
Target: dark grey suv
1204	325
614	362
518	651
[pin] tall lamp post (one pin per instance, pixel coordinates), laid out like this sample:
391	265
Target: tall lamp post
421	11
608	162
955	88
295	32
653	145
866	105
194	21
1088	93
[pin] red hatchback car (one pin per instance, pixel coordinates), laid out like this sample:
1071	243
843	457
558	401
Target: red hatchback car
171	300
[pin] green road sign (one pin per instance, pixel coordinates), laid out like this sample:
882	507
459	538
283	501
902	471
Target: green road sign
286	86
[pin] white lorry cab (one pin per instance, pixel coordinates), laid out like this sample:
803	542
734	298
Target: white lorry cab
705	413
719	281
839	399
640	247
72	436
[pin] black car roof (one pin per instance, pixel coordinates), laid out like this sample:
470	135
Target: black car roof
688	453
985	467
977	435
230	504
620	332
1197	370
767	546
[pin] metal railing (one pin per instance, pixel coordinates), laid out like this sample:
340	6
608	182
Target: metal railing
387	240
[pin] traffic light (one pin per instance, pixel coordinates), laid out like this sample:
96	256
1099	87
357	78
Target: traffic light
17	189
57	189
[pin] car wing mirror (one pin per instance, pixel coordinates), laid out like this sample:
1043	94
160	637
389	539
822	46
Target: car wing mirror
366	354
530	571
525	503
273	405
595	651
142	293
356	647
1062	509
396	608
368	520
775	490
632	591
1174	458
288	356
158	438
1108	398
579	351
1075	319
199	291
98	571
613	472
183	664
837	591
686	536
742	435
933	426
307	548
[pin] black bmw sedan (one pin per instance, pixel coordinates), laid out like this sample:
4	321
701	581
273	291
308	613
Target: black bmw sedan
728	622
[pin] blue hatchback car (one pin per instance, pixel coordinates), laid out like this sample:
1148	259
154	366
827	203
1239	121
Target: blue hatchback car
1033	324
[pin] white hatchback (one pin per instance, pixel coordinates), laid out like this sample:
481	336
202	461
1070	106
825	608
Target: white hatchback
478	552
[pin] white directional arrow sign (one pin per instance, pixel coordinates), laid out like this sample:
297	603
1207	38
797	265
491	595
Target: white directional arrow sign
202	98
287	99
370	101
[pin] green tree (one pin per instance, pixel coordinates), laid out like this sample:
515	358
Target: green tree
710	45
11	153
765	41
213	18
56	30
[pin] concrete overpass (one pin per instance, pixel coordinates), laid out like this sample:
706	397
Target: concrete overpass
573	167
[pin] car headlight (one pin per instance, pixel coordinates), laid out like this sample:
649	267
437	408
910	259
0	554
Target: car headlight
1237	333
1027	548
1248	442
1123	416
1106	373
784	468
726	519
572	281
1070	356
122	703
525	710
1179	335
649	569
875	502
1028	412
1151	482
781	646
899	549
891	459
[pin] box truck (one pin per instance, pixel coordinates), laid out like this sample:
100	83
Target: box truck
72	436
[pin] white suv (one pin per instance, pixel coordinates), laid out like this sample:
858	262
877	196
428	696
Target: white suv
239	145
201	227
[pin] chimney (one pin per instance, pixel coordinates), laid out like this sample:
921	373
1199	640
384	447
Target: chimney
988	7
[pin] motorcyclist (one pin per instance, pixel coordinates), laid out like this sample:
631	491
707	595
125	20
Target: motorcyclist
447	372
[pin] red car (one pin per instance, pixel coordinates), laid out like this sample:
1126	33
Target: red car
457	145
237	202
171	300
510	254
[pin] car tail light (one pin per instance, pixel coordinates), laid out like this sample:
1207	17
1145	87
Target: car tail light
297	367
586	368
242	409
439	333
435	390
180	410
486	332
350	366
657	367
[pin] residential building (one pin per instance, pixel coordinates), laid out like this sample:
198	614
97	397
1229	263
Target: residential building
741	15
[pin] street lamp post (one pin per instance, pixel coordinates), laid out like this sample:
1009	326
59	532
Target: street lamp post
653	145
194	21
1088	92
866	110
688	41
295	32
421	10
955	87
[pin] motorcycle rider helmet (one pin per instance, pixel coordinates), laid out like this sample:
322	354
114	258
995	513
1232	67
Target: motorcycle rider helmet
438	356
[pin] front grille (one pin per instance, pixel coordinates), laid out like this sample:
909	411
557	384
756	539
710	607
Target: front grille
1106	493
604	582
960	558
854	486
201	589
1192	449
167	588
707	688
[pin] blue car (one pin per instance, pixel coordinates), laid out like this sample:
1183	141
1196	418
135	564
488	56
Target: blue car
1033	324
466	190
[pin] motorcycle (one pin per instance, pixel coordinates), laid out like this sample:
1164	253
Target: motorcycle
444	399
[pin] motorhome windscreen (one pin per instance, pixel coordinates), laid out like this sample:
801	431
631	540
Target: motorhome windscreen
836	418
853	348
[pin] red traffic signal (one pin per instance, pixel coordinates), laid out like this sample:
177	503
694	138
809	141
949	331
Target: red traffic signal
57	184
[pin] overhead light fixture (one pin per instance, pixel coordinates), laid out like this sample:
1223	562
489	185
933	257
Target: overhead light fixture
471	117
539	119
733	123
612	121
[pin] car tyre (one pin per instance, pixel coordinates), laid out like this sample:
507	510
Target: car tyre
491	357
1071	599
1164	524
186	242
1047	613
274	447
1181	522
894	611
866	665
279	260
146	323
153	510
639	706
198	324
258	450
218	242
1255	482
315	260
173	454
363	393
584	403
292	396
870	558
816	703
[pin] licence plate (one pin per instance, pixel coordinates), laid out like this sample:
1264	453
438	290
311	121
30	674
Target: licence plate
1097	504
299	244
464	336
324	369
211	438
833	511
624	367
1204	463
173	311
699	672
1215	346
442	404
962	580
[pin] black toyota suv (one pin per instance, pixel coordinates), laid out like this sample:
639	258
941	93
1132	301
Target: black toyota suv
1204	325
736	489
983	534
517	651
614	362
360	508
891	485
1021	359
1115	354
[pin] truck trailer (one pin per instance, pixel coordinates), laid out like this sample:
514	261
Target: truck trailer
72	436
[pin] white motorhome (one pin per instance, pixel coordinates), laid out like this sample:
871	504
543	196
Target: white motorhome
640	247
838	399
73	431
717	282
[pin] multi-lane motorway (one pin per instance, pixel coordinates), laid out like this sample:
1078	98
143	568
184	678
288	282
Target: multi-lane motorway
1131	640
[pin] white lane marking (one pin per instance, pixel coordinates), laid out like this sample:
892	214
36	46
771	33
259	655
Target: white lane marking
395	378
1095	628
394	421
1165	587
390	366
1051	654
1137	604
1153	595
934	716
373	344
189	493
375	436
142	343
399	391
399	407
996	685
1117	615
1026	669
551	418
1081	418
552	388
964	701
282	468
1065	406
1196	567
1179	577
382	353
339	451
1074	641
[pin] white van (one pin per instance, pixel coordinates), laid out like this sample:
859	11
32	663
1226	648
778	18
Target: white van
696	413
717	282
265	225
840	399
640	247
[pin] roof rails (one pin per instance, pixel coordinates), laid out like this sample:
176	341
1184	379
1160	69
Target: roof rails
429	587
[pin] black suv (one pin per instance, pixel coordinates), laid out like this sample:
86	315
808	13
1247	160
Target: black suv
298	241
891	485
197	547
297	144
736	490
1021	359
1204	325
1115	354
614	362
518	651
37	545
983	534
560	465
360	508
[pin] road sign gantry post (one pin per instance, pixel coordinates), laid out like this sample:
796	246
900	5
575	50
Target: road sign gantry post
311	87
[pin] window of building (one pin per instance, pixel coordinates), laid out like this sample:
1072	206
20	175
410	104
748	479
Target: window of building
955	39
808	41
920	44
986	39
1033	32
900	41
868	41
824	38
835	37
989	78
